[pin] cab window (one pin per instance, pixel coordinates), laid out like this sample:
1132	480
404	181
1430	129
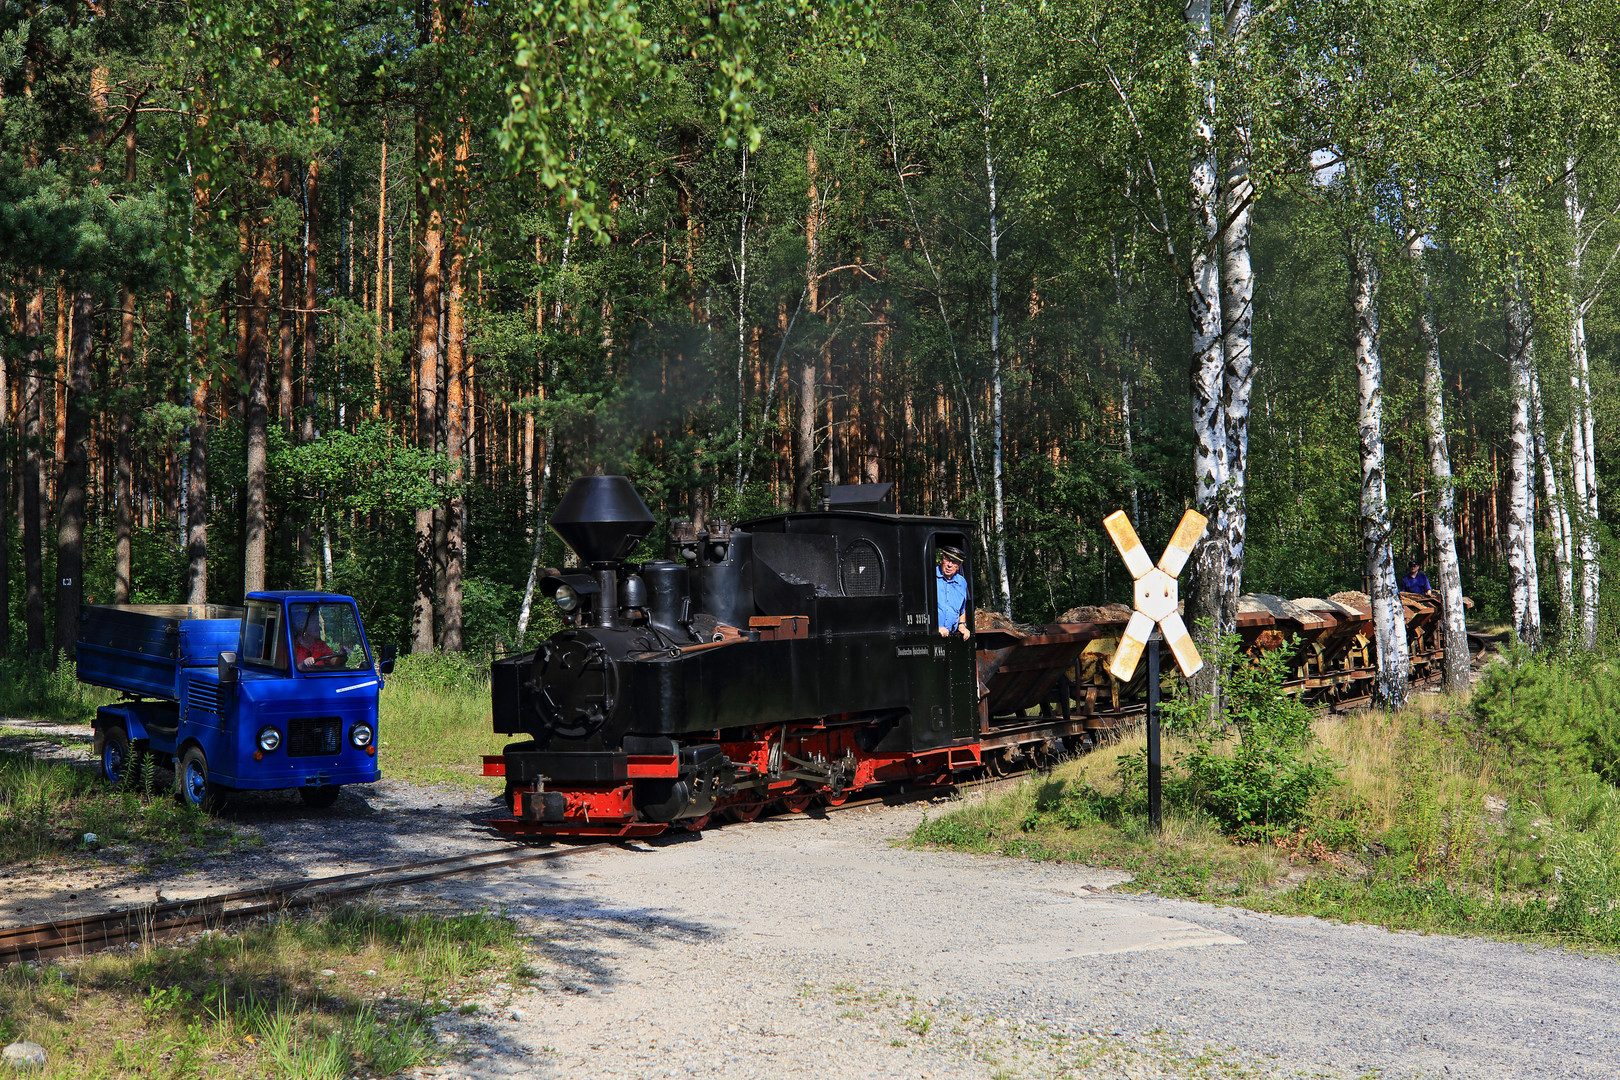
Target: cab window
326	637
264	638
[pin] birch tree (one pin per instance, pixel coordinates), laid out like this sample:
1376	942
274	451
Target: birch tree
1392	683
1521	524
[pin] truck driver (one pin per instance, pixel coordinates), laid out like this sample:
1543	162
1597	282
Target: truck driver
951	592
310	650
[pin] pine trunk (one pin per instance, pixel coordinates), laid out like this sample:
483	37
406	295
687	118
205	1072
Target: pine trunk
71	491
125	467
1391	684
256	407
429	300
455	509
804	450
33	479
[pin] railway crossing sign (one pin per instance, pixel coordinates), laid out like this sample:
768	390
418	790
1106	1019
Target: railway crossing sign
1156	594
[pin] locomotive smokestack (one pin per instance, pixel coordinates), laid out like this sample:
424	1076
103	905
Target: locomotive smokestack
602	519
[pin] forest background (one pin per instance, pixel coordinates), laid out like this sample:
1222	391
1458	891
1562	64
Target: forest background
331	294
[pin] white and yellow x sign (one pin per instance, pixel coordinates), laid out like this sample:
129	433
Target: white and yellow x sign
1156	599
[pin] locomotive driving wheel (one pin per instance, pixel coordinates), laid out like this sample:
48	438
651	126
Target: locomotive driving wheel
835	798
745	812
797	804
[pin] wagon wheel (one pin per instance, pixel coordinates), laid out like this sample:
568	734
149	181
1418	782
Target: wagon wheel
995	763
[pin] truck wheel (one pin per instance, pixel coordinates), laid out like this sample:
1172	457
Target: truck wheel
191	780
117	758
320	797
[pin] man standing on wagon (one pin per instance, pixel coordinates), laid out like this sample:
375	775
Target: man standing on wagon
951	593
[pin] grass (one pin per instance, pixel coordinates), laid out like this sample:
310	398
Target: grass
350	992
434	719
1432	824
45	693
1190	857
46	808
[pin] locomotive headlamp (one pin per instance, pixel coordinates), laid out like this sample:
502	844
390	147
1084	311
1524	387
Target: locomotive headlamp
360	734
568	590
269	739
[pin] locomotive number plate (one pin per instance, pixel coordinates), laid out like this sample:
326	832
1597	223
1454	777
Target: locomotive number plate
936	651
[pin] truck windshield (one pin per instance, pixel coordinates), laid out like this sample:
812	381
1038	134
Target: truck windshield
326	637
264	639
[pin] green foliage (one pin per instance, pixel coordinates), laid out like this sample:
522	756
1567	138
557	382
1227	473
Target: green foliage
1270	781
1554	716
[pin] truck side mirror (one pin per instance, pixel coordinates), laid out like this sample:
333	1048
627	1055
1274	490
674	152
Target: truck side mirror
227	669
385	661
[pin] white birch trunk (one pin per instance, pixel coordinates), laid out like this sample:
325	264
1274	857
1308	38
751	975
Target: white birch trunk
1237	339
1391	685
1557	512
1442	513
1204	311
998	510
1521	547
1583	474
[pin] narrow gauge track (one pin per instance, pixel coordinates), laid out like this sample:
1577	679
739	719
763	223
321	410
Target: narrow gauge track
151	922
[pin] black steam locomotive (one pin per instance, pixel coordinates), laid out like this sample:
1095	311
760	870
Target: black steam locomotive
779	661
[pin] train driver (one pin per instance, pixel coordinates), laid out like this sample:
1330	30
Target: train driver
951	592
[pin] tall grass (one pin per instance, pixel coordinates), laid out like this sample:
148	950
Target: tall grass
435	723
46	808
35	690
345	993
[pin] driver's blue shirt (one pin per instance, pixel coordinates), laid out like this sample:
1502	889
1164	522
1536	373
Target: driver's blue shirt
951	596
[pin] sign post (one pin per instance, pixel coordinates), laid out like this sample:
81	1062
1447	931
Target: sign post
1155	761
1156	618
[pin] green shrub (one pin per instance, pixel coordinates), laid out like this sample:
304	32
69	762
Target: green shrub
1269	781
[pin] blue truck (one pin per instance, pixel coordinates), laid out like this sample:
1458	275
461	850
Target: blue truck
279	693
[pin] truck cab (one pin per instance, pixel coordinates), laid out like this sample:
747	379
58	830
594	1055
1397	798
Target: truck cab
279	693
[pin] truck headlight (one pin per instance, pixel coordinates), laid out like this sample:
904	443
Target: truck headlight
269	739
360	734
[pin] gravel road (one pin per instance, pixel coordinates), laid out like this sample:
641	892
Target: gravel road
807	946
815	947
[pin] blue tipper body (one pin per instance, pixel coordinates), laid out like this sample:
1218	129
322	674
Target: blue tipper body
165	661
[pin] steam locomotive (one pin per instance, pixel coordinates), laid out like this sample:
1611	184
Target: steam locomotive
786	659
793	659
